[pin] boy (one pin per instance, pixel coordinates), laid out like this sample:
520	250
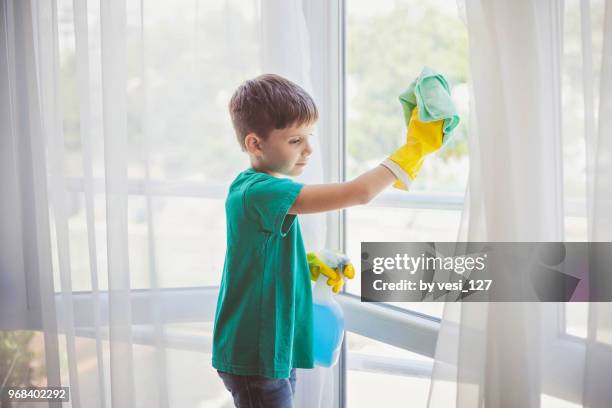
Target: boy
263	322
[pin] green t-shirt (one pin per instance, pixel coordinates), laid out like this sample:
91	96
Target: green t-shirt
263	322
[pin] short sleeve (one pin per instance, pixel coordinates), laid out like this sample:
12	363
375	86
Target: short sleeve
269	199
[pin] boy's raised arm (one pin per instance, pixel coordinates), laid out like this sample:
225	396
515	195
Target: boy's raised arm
316	198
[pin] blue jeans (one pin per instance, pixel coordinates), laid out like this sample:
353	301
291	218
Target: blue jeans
256	391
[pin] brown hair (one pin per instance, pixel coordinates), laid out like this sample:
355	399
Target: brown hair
269	102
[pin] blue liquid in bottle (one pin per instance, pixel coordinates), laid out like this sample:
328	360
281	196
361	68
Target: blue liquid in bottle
328	321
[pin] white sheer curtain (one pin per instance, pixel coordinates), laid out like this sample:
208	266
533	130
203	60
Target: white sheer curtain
516	354
137	83
286	50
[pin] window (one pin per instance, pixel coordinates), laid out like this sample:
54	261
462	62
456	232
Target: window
394	373
190	162
575	315
387	45
192	158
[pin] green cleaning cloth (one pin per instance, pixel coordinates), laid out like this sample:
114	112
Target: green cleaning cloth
431	93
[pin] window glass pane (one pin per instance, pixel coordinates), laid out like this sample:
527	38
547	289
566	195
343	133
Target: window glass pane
575	229
22	363
548	401
400	377
388	43
576	318
397	224
177	103
22	359
574	116
177	112
189	242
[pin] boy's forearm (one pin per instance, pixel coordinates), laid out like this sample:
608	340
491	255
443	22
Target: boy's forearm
327	197
374	181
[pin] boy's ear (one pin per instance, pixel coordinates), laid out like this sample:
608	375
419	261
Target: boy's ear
252	143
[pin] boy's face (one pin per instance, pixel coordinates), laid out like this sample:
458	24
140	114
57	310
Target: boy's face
285	151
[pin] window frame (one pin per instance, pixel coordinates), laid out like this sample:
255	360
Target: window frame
427	327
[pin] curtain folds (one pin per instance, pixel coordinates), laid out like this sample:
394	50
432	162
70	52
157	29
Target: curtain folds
516	354
102	95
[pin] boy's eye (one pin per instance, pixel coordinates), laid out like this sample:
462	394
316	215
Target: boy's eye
294	141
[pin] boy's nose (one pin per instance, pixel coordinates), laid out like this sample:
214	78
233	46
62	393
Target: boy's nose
307	149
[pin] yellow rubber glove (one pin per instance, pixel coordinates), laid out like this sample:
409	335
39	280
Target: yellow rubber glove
335	276
318	267
422	138
344	271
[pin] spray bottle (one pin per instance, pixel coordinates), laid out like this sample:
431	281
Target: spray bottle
328	316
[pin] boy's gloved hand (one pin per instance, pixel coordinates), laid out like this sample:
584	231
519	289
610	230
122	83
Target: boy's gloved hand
422	138
333	265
